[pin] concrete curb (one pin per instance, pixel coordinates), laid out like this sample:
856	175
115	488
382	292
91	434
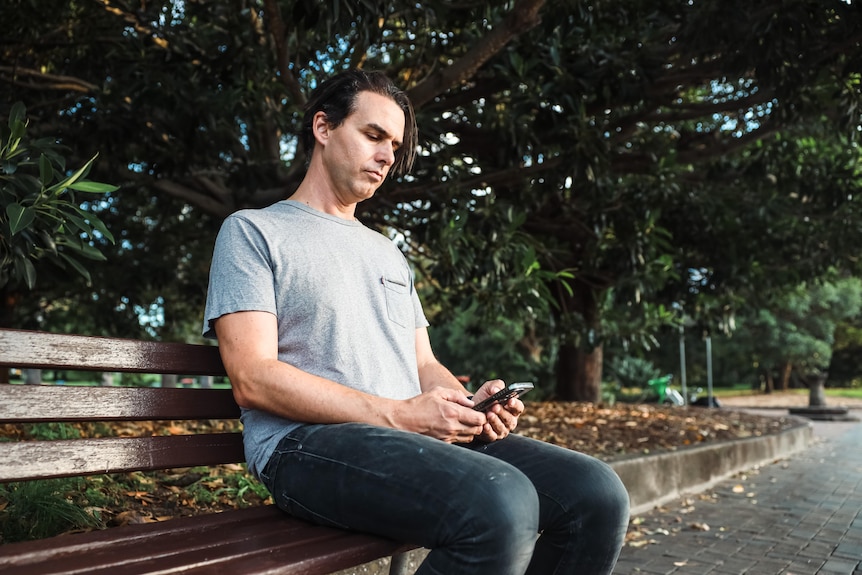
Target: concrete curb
653	480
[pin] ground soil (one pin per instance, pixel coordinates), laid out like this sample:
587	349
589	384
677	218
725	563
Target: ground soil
606	432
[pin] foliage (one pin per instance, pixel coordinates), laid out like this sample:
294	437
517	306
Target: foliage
484	350
846	365
39	509
40	216
585	167
799	328
53	431
798	331
631	371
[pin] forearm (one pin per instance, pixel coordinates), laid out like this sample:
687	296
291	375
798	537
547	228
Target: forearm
433	374
287	391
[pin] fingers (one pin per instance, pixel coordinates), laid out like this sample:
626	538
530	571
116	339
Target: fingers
502	420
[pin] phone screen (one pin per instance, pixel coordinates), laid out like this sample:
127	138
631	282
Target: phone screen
504	395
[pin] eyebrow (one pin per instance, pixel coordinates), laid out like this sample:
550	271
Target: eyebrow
382	132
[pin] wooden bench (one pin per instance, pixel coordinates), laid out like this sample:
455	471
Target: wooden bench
253	540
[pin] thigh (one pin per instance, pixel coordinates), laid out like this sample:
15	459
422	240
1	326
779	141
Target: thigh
392	483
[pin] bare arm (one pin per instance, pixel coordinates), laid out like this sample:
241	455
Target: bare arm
248	343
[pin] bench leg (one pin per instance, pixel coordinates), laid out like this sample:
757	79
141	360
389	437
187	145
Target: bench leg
399	564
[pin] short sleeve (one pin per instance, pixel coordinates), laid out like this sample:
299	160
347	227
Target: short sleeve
241	274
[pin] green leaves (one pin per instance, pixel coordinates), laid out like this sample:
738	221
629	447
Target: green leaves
19	217
41	219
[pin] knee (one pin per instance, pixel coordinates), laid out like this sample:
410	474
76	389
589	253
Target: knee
604	494
495	528
504	508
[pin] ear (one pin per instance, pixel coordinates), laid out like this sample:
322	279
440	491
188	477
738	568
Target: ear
320	127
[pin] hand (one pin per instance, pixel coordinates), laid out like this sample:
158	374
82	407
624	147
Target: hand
502	418
443	413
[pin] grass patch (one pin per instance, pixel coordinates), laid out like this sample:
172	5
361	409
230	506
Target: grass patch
44	508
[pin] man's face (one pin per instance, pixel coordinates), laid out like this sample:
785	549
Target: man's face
358	154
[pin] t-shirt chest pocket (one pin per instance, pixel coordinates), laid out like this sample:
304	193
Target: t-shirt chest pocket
399	305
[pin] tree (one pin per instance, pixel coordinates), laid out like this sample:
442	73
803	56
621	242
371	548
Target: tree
562	140
795	334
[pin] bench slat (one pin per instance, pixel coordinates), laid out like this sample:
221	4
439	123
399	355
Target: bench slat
40	350
34	403
25	460
250	541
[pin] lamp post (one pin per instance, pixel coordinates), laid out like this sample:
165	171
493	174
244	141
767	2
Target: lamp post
682	380
709	401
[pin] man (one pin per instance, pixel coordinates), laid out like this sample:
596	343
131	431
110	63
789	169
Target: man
349	419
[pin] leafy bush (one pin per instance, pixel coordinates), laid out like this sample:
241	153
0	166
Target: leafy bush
630	371
40	217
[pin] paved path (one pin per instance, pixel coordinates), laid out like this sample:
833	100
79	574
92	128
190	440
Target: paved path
798	516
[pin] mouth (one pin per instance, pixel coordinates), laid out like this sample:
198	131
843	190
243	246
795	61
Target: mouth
376	175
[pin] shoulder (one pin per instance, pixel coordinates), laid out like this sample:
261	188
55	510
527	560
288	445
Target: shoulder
259	221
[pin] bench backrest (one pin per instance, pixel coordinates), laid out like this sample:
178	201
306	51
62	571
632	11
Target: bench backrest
25	460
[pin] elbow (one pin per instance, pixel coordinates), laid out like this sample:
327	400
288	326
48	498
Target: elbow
241	398
243	391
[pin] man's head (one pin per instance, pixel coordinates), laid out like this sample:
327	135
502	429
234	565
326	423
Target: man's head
336	98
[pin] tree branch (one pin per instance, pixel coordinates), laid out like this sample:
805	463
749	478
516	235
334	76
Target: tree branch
187	194
136	23
47	81
282	52
508	175
523	17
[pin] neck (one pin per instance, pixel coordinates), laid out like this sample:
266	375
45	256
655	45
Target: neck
325	203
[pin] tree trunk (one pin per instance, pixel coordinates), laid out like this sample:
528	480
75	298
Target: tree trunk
770	382
579	374
786	370
32	376
169	380
579	367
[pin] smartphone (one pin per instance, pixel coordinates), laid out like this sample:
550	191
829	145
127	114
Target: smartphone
504	395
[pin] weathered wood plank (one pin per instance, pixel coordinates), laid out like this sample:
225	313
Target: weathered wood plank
33	403
254	540
40	350
25	460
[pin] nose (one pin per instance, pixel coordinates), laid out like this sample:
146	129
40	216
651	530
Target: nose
385	154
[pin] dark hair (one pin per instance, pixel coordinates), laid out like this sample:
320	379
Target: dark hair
336	97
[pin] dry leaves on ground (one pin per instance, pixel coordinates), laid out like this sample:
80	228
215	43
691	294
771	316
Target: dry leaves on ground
639	429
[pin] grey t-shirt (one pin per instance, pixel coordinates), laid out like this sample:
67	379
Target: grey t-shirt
343	295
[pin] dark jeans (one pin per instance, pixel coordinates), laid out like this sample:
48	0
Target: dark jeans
478	507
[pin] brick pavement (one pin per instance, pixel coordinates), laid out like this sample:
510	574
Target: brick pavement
799	516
